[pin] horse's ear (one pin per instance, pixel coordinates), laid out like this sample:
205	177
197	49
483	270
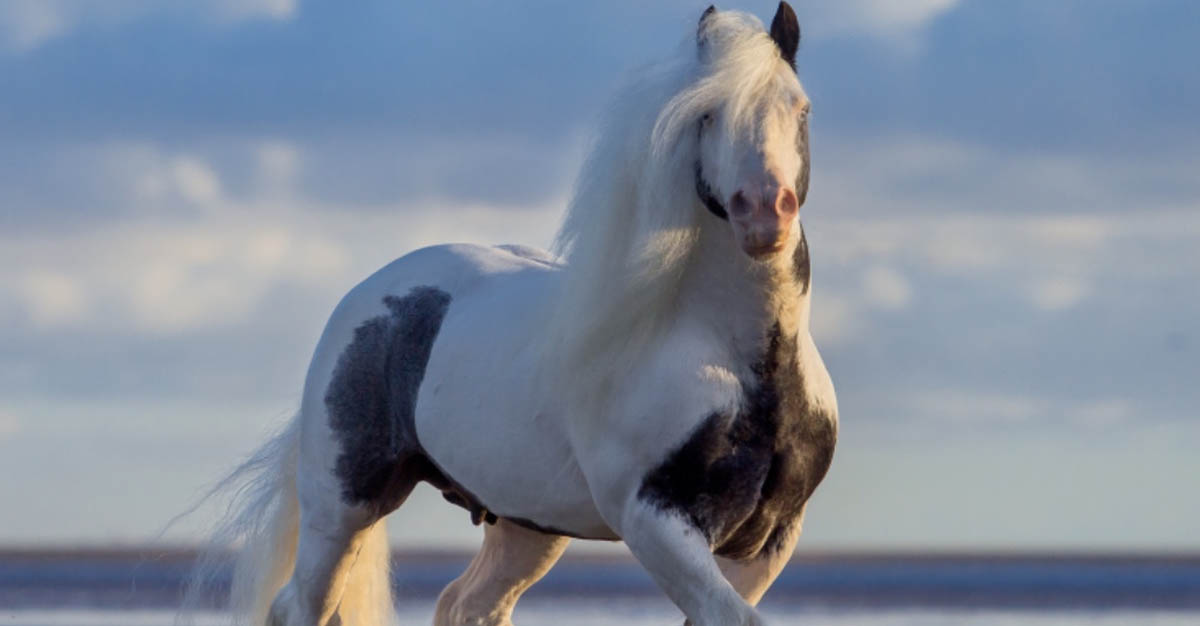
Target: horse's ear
704	18
785	30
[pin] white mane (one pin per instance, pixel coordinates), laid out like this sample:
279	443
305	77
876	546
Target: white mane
632	225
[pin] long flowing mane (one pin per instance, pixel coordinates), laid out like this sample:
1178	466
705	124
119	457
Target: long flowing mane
634	220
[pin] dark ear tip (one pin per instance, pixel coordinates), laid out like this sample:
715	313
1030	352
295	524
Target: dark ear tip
784	15
704	17
786	10
785	30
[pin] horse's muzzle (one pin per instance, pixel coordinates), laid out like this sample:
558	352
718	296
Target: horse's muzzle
763	218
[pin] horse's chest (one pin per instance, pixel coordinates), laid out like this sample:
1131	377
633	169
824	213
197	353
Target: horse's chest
743	479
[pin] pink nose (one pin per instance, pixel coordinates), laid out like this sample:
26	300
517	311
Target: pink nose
764	216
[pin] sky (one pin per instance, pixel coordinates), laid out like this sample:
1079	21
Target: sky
1004	221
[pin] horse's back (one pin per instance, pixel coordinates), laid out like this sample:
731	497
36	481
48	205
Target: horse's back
455	268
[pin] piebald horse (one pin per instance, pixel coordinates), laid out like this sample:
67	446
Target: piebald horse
653	382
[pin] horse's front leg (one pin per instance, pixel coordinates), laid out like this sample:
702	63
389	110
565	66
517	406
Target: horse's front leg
678	557
511	560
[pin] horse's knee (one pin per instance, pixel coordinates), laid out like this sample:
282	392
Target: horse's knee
286	610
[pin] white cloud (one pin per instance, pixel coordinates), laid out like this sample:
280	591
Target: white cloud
171	275
247	9
1058	293
971	407
886	288
1102	413
27	24
1042	265
145	175
169	269
974	406
195	180
1020	248
9	425
53	298
836	318
896	21
1073	192
279	163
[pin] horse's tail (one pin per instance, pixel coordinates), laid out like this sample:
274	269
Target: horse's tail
262	521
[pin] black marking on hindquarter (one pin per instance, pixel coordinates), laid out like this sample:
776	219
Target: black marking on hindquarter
371	402
373	394
743	478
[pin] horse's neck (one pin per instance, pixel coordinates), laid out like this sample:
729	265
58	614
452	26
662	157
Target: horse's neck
742	299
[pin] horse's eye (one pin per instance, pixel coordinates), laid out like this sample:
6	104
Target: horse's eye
706	119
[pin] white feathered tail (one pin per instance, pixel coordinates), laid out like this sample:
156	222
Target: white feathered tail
262	522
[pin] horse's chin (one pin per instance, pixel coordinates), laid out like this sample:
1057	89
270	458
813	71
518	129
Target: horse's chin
763	238
763	252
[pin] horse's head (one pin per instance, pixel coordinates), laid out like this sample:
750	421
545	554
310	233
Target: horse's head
751	163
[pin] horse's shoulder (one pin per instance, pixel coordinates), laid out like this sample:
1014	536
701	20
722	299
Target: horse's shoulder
744	471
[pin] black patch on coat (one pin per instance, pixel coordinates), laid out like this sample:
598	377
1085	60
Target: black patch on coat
805	165
801	264
707	197
785	30
373	394
743	479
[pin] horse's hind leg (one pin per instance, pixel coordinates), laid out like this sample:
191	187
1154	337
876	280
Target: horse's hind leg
337	544
511	560
677	555
753	577
341	573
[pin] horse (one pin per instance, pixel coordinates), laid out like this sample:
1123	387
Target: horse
653	381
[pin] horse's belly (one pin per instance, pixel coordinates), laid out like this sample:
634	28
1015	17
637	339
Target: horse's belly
509	463
511	469
483	421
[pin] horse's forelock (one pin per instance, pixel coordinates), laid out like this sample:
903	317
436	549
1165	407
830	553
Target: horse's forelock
740	70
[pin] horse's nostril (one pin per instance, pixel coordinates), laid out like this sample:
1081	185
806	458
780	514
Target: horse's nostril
786	203
739	203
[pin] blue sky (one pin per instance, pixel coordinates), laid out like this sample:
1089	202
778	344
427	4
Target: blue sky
1003	219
